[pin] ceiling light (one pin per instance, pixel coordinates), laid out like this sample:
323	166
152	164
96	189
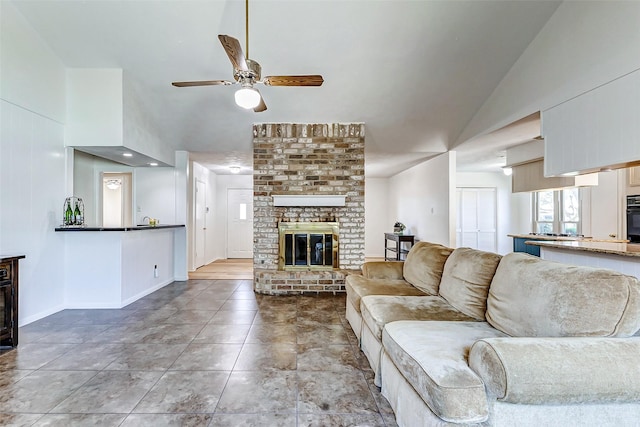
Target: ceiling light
247	97
507	171
127	154
153	164
113	184
234	169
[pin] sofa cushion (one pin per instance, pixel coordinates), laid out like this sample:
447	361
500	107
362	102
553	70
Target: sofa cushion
383	270
424	264
466	278
358	286
379	310
533	297
558	371
432	356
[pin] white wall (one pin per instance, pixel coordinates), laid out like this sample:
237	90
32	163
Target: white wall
583	45
33	171
200	173
94	107
376	217
139	131
155	194
32	77
224	183
502	184
423	198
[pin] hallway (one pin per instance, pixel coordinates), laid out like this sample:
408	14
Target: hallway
196	353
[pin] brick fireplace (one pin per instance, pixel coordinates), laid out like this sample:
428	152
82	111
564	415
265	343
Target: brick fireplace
315	161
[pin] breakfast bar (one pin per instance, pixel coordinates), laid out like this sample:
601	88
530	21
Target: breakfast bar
622	257
113	267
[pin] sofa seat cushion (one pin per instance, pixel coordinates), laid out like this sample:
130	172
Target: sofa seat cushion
466	278
424	264
378	310
358	286
432	356
532	297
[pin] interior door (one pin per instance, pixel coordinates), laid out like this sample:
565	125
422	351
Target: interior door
200	224
240	223
476	224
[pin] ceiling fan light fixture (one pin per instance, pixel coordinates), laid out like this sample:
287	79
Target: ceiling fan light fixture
247	97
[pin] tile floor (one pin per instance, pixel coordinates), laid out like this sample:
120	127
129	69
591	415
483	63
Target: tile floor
195	353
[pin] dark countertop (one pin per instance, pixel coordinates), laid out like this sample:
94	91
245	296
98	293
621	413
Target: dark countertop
8	258
132	228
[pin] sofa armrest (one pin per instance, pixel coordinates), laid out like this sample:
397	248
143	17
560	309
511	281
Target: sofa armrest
383	270
558	370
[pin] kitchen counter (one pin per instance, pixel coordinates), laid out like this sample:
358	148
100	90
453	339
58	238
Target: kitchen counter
602	247
526	242
622	257
564	238
131	228
113	267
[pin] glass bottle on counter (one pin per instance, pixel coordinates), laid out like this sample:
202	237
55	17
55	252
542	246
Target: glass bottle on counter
77	215
68	214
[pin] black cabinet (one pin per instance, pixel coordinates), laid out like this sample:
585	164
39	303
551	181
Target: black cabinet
399	248
9	300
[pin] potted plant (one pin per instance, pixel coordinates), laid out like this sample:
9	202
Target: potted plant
398	227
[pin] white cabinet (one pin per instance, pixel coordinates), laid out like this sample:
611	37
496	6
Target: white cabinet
634	176
476	226
595	130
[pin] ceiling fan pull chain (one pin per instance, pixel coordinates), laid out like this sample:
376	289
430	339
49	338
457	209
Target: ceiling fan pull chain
246	25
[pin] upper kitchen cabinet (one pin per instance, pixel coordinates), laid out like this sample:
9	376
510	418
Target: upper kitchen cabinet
597	130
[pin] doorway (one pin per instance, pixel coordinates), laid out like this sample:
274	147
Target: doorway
200	223
476	222
239	223
117	199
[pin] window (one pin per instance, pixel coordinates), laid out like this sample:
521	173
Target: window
557	212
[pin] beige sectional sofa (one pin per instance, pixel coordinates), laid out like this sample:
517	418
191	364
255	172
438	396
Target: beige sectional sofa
469	337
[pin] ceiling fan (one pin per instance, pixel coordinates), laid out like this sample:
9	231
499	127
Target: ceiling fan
247	73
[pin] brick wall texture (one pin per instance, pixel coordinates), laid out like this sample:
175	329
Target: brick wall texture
307	159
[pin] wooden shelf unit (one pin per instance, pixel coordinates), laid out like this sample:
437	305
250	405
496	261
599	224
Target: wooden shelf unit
397	252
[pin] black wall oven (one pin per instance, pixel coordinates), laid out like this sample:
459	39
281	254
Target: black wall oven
633	219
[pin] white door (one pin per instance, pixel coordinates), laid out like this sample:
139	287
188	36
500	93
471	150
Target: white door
200	223
240	223
476	224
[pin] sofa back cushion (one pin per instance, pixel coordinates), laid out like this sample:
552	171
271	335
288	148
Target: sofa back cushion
532	297
466	278
424	264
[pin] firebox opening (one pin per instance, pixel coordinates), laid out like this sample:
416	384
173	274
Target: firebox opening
308	246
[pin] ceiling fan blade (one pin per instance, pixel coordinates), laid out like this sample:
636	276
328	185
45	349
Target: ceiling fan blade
262	106
234	52
311	80
202	83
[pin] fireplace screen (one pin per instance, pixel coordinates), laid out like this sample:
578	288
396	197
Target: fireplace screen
308	245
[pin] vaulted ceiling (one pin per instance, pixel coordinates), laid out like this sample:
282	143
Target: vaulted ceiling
415	72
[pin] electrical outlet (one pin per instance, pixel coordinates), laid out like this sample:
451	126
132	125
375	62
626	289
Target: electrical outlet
155	271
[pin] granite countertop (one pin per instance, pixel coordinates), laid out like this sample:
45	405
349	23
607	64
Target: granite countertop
564	238
549	238
132	228
612	248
